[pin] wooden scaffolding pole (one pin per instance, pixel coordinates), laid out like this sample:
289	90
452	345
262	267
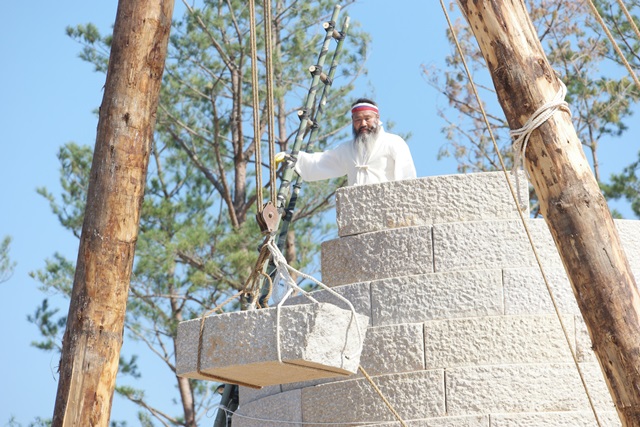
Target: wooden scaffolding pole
93	336
570	199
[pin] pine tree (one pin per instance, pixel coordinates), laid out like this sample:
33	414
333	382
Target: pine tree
6	265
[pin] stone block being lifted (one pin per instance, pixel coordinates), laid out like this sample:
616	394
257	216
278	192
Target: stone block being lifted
315	341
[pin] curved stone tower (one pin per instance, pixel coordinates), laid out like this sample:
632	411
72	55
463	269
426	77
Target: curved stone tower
462	330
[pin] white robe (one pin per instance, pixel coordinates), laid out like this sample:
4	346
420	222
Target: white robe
389	160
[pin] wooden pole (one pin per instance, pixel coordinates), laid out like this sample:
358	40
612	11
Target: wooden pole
93	336
570	199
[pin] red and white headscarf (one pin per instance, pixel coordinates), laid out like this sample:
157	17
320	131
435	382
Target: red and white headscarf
364	106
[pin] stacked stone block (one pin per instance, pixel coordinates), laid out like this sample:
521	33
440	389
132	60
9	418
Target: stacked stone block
259	348
462	329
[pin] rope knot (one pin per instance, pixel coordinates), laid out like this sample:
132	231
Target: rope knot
536	120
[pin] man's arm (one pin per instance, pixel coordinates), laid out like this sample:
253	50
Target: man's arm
321	165
404	167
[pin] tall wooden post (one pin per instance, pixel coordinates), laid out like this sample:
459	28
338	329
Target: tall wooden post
93	337
570	199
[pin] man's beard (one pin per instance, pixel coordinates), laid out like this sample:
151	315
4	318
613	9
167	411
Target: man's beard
364	141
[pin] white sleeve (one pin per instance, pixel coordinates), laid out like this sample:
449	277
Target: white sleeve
404	167
321	165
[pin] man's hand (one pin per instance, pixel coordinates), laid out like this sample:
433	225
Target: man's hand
280	157
283	156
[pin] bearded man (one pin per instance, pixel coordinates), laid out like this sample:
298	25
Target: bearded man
372	156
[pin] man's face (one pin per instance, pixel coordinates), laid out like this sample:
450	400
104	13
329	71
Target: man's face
364	122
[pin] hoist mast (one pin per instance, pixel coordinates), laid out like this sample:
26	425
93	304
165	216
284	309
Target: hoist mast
327	80
275	219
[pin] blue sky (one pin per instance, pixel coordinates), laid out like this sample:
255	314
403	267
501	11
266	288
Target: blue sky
48	97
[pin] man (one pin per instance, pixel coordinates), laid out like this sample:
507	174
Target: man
373	156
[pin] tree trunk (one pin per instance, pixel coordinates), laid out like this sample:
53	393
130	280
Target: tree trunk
290	249
188	404
570	199
93	337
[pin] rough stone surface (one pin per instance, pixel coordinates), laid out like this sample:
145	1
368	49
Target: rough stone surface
248	394
491	244
316	341
436	296
358	294
393	349
450	198
361	209
526	293
272	410
414	395
495	340
629	231
522	388
371	256
310	383
477	421
597	387
555	419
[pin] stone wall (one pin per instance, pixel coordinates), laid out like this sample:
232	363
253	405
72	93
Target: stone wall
462	330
